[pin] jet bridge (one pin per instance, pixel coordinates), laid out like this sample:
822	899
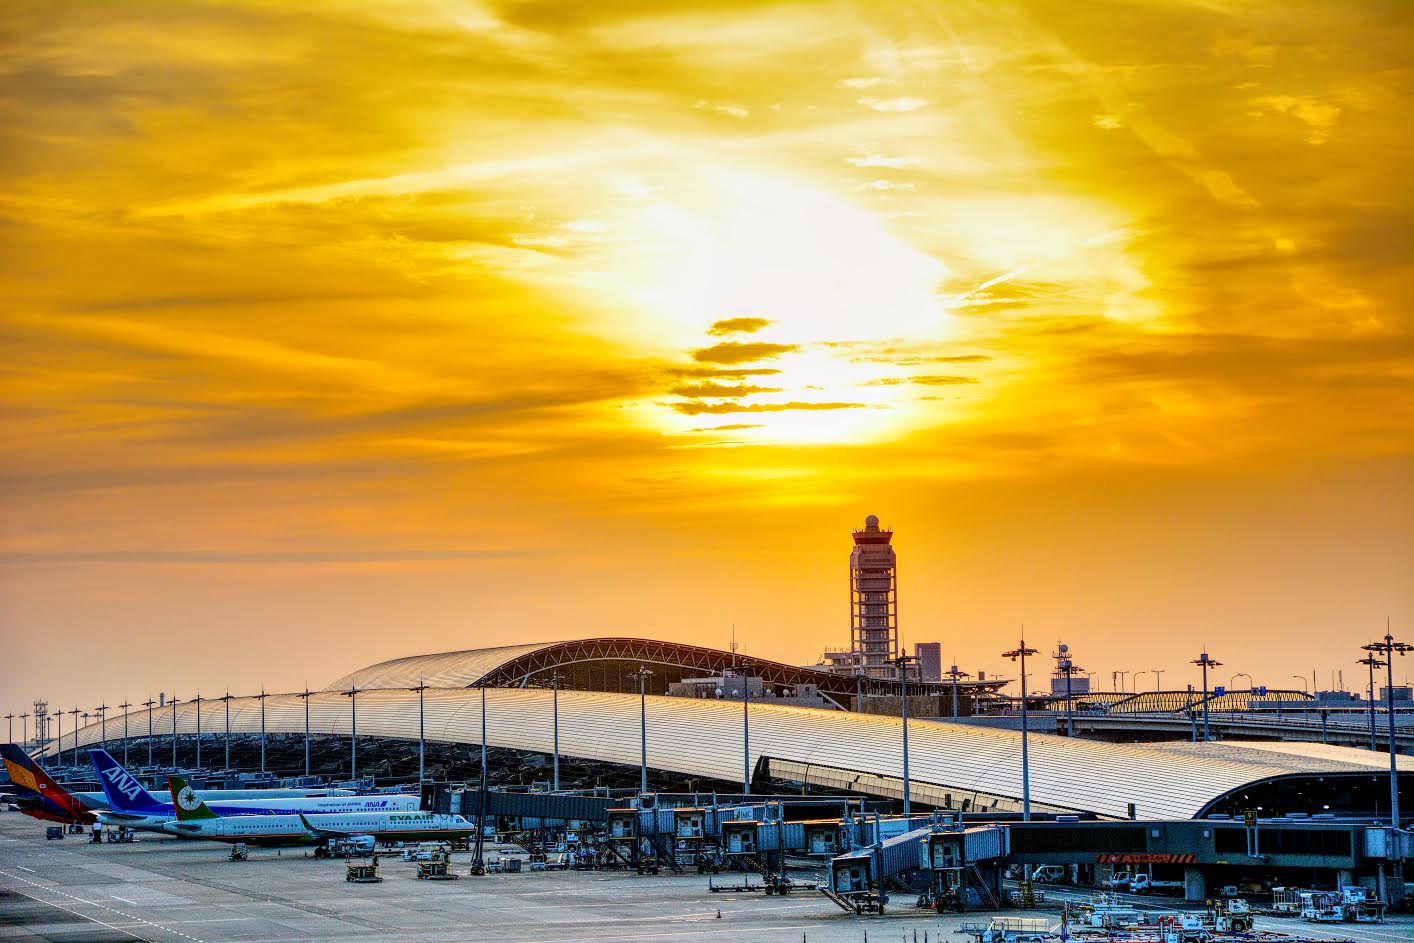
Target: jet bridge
859	879
966	865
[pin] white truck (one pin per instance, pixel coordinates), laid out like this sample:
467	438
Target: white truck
1119	881
1148	884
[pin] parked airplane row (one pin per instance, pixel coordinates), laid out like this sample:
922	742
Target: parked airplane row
291	817
34	792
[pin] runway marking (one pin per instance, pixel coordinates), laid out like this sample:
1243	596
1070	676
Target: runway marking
93	903
23	868
70	910
123	899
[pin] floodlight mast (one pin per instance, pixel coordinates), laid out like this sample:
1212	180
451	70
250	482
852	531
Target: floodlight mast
1373	663
1205	662
901	664
744	673
304	697
1021	652
643	674
955	675
421	733
555	680
125	705
1389	648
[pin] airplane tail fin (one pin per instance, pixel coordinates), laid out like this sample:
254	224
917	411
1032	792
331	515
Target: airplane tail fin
32	781
21	769
122	790
190	807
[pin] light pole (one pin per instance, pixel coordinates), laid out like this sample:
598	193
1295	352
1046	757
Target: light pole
1136	680
743	673
261	698
555	680
74	713
901	663
1305	689
125	705
1374	663
11	719
352	694
642	674
24	728
1021	652
1389	648
1205	662
197	701
1122	676
174	702
1158	678
227	699
484	771
955	675
1232	682
1065	666
421	734
59	744
305	697
102	711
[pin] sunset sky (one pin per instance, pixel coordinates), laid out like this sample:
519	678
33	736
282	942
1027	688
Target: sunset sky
346	330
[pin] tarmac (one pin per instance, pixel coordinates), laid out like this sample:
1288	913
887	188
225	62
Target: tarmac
168	890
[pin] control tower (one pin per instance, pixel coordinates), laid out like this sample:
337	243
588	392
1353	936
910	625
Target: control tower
873	600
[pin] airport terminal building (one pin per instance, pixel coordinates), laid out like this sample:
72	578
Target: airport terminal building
577	694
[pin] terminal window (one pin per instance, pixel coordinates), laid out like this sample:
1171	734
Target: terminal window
1084	839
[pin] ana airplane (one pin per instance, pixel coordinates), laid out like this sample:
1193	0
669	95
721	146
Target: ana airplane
98	802
196	820
131	806
36	794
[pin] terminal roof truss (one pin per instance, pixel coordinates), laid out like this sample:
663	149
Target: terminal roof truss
605	664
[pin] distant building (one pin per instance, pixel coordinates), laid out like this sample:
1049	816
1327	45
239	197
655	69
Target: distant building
728	687
930	661
840	661
1079	682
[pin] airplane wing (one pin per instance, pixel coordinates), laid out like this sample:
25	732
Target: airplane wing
323	833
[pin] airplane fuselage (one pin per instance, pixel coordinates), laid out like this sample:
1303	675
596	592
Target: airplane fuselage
153	819
98	801
312	829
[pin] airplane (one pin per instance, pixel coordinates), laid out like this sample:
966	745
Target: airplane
38	795
131	806
196	820
98	802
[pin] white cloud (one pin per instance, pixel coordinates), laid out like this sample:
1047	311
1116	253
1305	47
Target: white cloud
879	160
894	104
733	111
867	81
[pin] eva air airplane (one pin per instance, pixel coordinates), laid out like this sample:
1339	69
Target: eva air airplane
131	806
196	820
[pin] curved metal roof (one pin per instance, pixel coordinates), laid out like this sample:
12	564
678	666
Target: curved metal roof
531	665
445	670
694	737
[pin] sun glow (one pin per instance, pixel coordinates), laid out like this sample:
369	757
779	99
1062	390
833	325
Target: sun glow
819	281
